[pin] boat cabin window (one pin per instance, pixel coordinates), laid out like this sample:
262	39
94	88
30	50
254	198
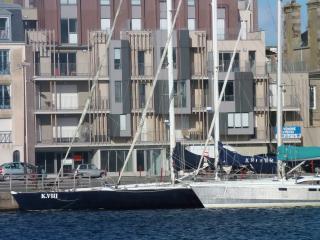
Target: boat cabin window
312	189
282	189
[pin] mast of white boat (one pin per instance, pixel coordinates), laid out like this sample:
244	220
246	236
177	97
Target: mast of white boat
215	83
171	90
217	106
93	88
280	169
150	97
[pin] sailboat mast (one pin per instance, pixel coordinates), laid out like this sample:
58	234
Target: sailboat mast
279	87
215	83
171	90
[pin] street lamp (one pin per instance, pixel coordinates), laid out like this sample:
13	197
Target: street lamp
23	66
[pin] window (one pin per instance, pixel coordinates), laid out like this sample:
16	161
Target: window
16	156
221	23
180	92
163	24
30	24
4	62
135	2
221	29
191	24
238	120
245	119
117	58
65	64
230	120
313	99
69	31
105	24
136	24
5	97
190	2
68	2
252	58
141	66
104	2
142	95
123	124
113	160
118	91
165	62
243	30
229	91
4	28
225	60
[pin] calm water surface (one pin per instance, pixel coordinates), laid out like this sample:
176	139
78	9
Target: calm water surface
294	223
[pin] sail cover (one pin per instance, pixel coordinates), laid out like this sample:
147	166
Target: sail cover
261	163
295	153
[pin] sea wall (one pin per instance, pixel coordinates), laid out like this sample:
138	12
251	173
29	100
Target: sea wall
7	202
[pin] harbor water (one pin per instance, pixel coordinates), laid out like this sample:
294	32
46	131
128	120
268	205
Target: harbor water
288	223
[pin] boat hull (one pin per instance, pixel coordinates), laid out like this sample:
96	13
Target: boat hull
250	194
116	199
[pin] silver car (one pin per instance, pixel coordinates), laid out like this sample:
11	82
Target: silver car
14	169
89	170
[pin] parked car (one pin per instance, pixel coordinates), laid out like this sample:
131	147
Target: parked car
89	170
16	170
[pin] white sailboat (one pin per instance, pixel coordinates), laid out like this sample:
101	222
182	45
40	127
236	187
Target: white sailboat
270	192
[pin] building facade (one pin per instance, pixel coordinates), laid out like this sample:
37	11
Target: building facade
12	75
66	44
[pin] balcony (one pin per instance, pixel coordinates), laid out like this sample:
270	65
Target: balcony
64	70
5	137
68	104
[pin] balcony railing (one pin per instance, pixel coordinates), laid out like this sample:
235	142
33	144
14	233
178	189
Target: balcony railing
141	70
5	137
63	69
80	140
4	68
224	65
71	104
288	67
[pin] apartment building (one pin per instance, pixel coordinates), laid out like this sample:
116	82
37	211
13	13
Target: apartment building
12	84
66	43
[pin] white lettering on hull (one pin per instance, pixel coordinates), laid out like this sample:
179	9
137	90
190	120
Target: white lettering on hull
49	195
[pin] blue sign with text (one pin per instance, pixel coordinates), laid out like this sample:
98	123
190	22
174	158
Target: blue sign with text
290	132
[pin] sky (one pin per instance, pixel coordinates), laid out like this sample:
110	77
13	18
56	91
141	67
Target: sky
268	18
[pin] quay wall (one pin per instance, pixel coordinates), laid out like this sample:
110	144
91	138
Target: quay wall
7	202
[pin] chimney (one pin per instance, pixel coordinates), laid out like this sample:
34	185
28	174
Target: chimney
314	33
292	29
